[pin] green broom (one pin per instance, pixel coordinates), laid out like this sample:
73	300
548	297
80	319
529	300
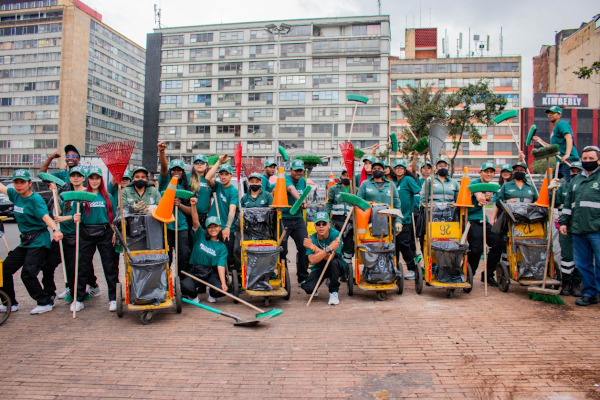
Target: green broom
300	200
212	160
394	140
505	115
545	152
530	135
484	187
309	160
421	145
283	153
358	153
46	177
358	202
183	194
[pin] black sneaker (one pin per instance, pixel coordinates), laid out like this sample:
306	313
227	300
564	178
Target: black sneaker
586	301
492	282
577	289
565	290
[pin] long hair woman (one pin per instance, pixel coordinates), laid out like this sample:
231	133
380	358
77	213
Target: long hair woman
200	187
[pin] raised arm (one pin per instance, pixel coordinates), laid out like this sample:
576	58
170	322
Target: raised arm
210	174
194	212
162	157
46	164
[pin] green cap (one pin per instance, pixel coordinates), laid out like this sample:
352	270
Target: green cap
554	109
225	167
212	221
176	164
520	164
506	167
423	164
255	175
93	170
137	169
370	158
442	159
577	165
127	174
386	164
70	147
321	216
378	162
400	163
269	162
78	170
201	157
487	165
297	164
21	174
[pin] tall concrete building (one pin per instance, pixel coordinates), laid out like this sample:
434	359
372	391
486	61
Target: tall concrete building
66	77
421	66
267	84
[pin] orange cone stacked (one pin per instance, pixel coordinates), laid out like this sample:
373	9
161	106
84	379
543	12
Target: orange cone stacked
331	183
464	194
164	210
280	199
543	199
362	221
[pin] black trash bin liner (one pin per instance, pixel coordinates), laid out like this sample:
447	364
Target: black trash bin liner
534	258
260	223
379	223
260	264
378	264
449	261
148	279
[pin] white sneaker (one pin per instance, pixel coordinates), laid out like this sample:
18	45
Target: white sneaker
112	306
93	291
13	308
41	309
410	275
211	299
197	299
334	300
64	293
77	305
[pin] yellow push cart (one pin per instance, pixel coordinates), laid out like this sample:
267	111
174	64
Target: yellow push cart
446	266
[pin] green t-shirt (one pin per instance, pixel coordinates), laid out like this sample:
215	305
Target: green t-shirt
206	252
113	190
264	199
266	186
333	234
407	189
476	212
300	186
163	183
68	227
98	214
561	129
203	195
225	197
510	190
29	213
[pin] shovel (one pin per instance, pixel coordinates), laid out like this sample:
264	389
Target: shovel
238	320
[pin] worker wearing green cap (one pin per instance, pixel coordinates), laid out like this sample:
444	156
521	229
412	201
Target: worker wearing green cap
562	136
339	210
445	189
199	186
269	170
72	158
256	197
365	173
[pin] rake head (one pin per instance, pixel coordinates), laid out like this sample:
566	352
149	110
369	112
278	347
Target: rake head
116	156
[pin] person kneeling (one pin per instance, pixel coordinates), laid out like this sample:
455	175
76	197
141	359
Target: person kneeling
320	246
208	259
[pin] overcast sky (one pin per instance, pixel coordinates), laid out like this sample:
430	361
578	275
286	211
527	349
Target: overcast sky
526	25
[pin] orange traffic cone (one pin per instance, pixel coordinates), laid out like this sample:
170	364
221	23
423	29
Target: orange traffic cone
543	199
362	221
280	193
331	183
464	194
164	211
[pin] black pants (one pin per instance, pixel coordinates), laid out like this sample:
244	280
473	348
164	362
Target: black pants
191	287
296	229
32	260
333	272
347	240
53	260
230	244
403	245
183	251
87	249
494	241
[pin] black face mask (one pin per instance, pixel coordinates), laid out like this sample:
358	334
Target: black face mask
589	166
442	172
345	181
520	176
377	174
255	188
139	183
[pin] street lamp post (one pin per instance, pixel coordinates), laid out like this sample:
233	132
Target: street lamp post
277	31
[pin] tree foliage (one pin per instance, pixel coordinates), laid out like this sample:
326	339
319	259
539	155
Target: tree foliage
586	72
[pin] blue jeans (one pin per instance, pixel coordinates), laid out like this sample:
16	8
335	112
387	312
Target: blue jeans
586	253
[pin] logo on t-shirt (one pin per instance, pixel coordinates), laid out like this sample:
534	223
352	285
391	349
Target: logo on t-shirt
98	204
207	249
18	209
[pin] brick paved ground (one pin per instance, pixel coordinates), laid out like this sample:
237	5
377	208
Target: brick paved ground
410	346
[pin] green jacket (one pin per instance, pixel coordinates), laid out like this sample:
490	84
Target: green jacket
370	191
510	190
581	210
334	205
443	192
264	199
407	189
151	195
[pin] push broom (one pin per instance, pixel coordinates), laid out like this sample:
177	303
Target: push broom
358	202
51	178
356	98
78	196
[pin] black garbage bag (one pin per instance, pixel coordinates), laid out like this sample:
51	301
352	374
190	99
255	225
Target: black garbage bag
148	279
260	223
143	231
527	212
534	258
260	264
378	263
449	261
447	213
379	223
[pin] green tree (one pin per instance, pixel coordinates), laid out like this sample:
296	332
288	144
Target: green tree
472	104
586	72
420	105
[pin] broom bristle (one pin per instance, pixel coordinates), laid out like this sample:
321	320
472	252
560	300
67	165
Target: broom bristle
283	153
484	187
310	159
300	200
421	145
212	160
358	153
183	194
51	178
546	298
394	140
271	313
116	156
78	195
530	135
353	199
357	97
505	115
545	152
348	154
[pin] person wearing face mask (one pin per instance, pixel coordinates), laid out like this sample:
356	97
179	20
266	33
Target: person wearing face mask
256	197
140	194
365	173
269	170
581	213
445	189
339	211
517	190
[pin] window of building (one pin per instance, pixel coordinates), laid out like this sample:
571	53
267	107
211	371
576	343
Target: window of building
172	40
200	83
290	112
373	29
230	98
373	95
324	111
201	145
293	80
259	113
362	78
295	130
300	30
223	146
332	46
166	85
326	95
292	144
260	81
171	100
199	98
262	49
256	145
200	68
325	80
293	64
172	69
364	128
228	82
166	115
200	129
236	36
374	62
228	114
204	52
261	65
293	48
198	114
261	34
172	54
230	51
201	37
261	131
233	66
263	96
298	97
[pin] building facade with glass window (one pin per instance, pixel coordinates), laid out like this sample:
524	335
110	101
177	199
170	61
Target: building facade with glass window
65	78
209	87
503	75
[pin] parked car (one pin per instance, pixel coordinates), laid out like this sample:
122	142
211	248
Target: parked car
37	185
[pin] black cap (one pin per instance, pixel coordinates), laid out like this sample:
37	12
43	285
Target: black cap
70	147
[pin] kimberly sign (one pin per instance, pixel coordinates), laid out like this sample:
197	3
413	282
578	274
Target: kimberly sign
560	99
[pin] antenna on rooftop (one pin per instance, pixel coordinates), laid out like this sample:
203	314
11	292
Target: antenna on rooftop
157	16
379	6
